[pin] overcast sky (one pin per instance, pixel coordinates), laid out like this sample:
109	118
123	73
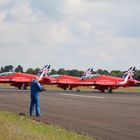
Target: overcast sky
70	34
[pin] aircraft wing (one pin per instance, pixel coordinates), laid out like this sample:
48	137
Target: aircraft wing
21	80
134	82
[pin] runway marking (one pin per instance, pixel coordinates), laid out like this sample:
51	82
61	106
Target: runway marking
83	96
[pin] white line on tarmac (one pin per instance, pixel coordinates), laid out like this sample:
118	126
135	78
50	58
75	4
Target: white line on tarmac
83	96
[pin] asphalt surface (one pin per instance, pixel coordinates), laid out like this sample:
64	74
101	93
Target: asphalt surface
113	116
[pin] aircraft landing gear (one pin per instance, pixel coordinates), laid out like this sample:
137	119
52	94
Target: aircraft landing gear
19	87
25	87
102	90
78	90
65	88
110	90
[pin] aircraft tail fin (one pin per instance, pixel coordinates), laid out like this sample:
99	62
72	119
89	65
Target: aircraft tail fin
44	71
87	73
129	73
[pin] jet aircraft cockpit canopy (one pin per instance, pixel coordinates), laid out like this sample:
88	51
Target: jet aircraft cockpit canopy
7	73
93	75
55	75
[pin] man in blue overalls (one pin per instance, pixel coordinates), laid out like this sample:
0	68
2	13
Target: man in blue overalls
35	88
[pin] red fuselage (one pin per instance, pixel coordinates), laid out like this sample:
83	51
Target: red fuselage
17	79
101	82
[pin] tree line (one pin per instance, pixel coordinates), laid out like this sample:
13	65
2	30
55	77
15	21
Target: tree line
62	71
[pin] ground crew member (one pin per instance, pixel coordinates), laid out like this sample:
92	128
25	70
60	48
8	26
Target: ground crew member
35	88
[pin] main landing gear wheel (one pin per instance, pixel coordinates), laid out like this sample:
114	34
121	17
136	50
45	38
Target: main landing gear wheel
78	90
110	90
25	87
65	88
19	87
102	90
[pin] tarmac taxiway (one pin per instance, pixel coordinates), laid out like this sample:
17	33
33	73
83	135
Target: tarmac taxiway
113	116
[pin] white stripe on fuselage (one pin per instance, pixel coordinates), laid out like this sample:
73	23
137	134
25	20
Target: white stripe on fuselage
83	96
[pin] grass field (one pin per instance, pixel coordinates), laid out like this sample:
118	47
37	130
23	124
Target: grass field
6	86
15	127
128	89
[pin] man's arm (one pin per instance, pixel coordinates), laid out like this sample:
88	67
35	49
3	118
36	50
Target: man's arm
43	89
40	87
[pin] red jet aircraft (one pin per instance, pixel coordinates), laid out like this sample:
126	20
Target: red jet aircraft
100	82
109	83
66	82
22	80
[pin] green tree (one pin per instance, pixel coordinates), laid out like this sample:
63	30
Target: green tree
30	71
61	71
74	73
102	72
117	73
36	71
105	72
2	69
67	72
19	68
81	72
137	75
8	68
53	72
